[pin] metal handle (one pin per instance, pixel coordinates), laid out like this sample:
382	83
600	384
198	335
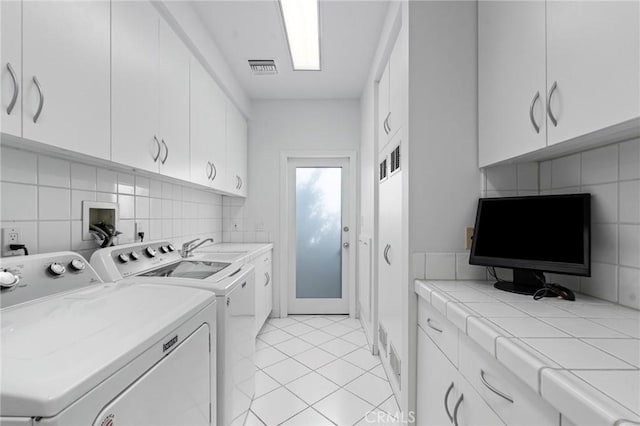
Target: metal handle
155	138
16	89
266	275
166	152
215	171
549	112
237	182
531	117
209	170
388	121
446	401
244	284
240	187
386	254
455	410
431	326
41	104
345	245
493	389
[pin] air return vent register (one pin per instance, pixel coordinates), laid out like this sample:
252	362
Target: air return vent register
263	66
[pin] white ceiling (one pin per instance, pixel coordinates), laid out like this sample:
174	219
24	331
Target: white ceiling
246	30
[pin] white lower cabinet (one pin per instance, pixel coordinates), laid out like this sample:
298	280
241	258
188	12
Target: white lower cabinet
264	288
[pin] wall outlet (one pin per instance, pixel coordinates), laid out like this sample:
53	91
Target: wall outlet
11	236
468	237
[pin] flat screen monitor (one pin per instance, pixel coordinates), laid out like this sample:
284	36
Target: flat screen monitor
532	235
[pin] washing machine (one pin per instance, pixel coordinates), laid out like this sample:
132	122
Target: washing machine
234	287
77	351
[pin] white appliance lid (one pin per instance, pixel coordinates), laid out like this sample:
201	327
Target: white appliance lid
56	350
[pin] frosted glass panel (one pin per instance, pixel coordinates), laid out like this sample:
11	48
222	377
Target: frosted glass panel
318	232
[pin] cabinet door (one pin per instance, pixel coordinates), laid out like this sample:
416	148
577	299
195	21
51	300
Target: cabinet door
174	105
268	297
236	151
396	93
135	140
11	67
383	108
437	391
260	279
207	128
511	79
593	55
66	51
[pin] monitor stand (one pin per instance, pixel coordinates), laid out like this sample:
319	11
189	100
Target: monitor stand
525	281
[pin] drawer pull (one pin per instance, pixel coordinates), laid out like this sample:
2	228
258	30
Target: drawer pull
493	389
446	403
431	326
455	410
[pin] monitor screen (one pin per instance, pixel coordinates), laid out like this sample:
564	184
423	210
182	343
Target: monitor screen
541	233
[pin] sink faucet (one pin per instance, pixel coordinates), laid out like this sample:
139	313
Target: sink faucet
187	249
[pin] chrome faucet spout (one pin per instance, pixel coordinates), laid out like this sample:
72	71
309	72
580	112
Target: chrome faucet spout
187	248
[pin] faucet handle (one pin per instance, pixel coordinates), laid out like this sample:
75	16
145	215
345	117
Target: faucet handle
186	245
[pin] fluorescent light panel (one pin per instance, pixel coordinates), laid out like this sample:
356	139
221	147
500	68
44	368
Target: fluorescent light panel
303	32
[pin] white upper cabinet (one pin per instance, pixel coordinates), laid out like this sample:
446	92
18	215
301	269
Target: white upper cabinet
66	75
174	105
236	151
511	77
208	144
134	85
383	108
593	58
11	67
390	97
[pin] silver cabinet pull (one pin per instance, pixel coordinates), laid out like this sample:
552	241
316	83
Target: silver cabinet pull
266	275
16	89
549	112
446	402
531	117
455	410
241	182
215	171
433	327
209	170
386	254
155	138
41	95
244	284
237	182
493	389
166	152
388	121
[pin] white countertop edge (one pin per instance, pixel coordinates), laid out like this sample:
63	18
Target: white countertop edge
588	402
253	249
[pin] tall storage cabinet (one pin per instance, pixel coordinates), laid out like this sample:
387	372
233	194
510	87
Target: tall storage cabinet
11	67
66	75
135	73
390	97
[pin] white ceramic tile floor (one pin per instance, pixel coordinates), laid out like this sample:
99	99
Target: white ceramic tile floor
317	370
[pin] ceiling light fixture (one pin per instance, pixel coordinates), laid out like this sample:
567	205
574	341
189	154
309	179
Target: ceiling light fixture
302	26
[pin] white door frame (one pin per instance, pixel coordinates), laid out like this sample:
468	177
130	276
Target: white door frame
285	156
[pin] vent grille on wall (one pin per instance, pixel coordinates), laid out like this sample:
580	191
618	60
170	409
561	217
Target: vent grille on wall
395	159
383	170
394	362
263	66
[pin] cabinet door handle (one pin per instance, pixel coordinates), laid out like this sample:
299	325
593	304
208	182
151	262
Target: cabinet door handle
386	254
266	275
455	410
388	121
209	170
237	182
446	402
215	171
241	183
155	138
493	389
549	112
166	152
16	88
41	95
433	327
531	117
244	284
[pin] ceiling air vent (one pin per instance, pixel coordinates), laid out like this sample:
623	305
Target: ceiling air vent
263	67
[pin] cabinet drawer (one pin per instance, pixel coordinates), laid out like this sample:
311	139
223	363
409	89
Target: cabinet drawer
491	379
442	331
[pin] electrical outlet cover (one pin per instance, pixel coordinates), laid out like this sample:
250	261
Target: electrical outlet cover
10	236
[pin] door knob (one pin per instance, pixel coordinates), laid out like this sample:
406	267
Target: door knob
345	245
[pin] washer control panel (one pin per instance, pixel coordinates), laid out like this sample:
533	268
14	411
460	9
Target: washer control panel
24	278
134	259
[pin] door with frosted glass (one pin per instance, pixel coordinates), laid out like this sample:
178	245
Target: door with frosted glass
318	236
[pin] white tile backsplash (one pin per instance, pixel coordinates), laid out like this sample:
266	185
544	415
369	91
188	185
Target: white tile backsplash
611	174
440	266
43	195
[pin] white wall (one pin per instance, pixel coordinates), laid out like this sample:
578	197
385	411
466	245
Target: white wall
43	194
276	126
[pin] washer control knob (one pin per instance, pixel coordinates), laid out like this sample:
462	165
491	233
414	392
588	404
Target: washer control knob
8	279
57	269
77	264
123	257
171	247
164	249
134	255
151	252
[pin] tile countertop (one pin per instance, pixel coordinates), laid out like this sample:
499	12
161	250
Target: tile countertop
244	252
582	357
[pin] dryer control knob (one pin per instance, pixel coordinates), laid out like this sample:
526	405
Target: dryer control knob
134	255
57	269
164	249
123	257
151	251
171	247
8	279
77	265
